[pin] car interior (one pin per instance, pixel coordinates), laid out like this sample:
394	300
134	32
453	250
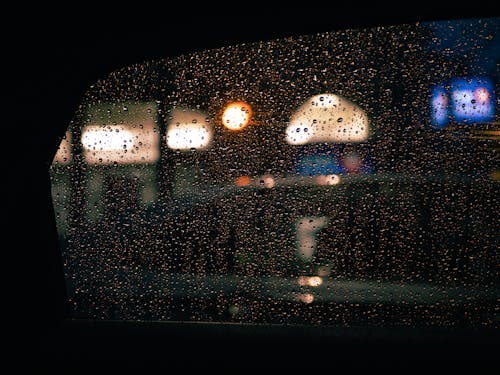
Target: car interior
268	192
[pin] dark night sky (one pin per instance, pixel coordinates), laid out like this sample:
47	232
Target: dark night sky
454	38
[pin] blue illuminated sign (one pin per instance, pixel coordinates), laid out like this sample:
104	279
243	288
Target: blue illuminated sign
472	100
318	164
325	163
439	106
465	101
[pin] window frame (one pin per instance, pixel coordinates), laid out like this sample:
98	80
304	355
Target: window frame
200	343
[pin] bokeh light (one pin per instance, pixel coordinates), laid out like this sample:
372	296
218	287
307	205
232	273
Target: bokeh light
236	115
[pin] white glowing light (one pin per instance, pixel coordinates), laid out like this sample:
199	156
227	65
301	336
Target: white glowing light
115	133
188	129
315	281
123	144
327	118
107	138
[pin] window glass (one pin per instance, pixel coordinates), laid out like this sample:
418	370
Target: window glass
344	178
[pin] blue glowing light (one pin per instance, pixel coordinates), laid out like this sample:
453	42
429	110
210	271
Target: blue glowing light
325	163
472	100
464	101
439	107
318	164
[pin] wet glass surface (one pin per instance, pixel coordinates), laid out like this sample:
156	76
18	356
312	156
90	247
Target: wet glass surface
345	178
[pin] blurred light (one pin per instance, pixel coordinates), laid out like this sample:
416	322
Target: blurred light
107	138
188	129
310	281
267	181
307	298
439	107
352	162
243	181
63	154
315	281
493	135
331	179
134	141
303	281
482	95
327	168
236	115
307	228
467	100
495	175
327	118
234	309
472	99
318	164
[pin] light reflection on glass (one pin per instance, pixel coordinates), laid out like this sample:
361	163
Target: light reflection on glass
307	298
236	115
472	100
327	118
315	281
188	130
118	134
267	181
439	105
243	181
331	179
307	229
107	138
310	281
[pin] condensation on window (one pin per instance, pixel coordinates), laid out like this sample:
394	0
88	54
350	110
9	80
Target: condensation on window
345	178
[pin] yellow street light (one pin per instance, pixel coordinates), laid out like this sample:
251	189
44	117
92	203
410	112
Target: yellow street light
236	115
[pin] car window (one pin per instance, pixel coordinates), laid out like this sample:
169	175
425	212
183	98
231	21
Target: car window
342	178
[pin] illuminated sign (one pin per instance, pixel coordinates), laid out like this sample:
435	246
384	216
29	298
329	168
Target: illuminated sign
121	134
188	129
439	107
318	164
464	100
327	118
472	100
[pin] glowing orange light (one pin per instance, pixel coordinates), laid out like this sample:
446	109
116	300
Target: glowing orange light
236	115
243	181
